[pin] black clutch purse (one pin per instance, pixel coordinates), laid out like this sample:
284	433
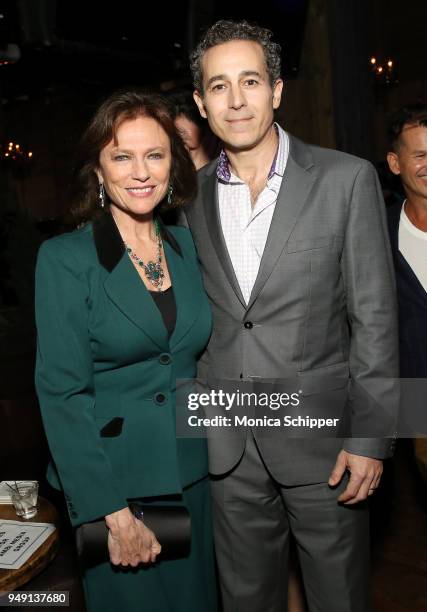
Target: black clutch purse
171	525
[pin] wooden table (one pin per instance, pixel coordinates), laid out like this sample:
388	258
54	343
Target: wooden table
13	579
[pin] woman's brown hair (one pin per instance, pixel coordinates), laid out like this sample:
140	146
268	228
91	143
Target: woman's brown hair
123	106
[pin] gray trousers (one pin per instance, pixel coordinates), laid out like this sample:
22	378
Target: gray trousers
253	517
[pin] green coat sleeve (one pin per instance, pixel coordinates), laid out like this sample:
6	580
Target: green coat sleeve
65	385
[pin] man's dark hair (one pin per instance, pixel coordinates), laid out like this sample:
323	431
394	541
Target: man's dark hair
225	31
411	114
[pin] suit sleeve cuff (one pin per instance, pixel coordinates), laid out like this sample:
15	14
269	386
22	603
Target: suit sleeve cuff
376	448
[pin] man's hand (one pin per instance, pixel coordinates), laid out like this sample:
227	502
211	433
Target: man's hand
130	542
365	475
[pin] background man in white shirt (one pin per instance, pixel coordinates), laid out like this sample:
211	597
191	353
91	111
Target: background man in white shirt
407	158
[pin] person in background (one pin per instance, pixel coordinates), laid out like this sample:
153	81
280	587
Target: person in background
121	314
407	158
193	129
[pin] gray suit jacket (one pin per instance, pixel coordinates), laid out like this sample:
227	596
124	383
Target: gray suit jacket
322	307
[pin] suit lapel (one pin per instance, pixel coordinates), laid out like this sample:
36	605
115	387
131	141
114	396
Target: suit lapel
187	292
123	285
126	289
211	207
402	266
296	185
393	218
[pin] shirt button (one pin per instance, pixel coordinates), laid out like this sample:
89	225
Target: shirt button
160	398
248	325
165	359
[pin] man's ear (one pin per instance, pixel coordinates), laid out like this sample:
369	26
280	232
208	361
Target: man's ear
199	101
277	93
393	162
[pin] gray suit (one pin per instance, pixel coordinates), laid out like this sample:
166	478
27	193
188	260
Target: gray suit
322	309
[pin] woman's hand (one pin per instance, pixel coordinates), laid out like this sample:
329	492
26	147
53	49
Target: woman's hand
130	542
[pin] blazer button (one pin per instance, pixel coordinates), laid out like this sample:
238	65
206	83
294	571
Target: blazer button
248	325
160	398
164	359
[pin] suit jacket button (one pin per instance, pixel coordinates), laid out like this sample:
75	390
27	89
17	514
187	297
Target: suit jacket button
160	398
248	325
165	359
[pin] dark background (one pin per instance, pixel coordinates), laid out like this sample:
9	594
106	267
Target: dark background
72	54
58	59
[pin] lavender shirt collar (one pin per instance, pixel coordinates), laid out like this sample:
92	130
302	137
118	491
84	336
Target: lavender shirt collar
223	168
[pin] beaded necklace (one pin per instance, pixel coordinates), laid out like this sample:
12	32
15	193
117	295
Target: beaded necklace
153	270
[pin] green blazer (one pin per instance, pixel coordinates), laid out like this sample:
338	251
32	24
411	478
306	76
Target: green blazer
106	371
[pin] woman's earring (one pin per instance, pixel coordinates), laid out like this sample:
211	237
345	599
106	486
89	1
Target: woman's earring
101	195
170	192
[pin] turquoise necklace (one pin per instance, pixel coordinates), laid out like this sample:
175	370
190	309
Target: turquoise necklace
153	270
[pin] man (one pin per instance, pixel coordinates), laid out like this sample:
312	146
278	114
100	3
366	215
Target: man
407	158
291	240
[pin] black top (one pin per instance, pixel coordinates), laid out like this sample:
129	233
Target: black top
165	301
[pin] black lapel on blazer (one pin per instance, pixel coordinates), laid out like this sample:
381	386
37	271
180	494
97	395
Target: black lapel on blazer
109	244
123	285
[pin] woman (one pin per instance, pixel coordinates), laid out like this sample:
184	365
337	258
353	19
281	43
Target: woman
121	314
194	131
